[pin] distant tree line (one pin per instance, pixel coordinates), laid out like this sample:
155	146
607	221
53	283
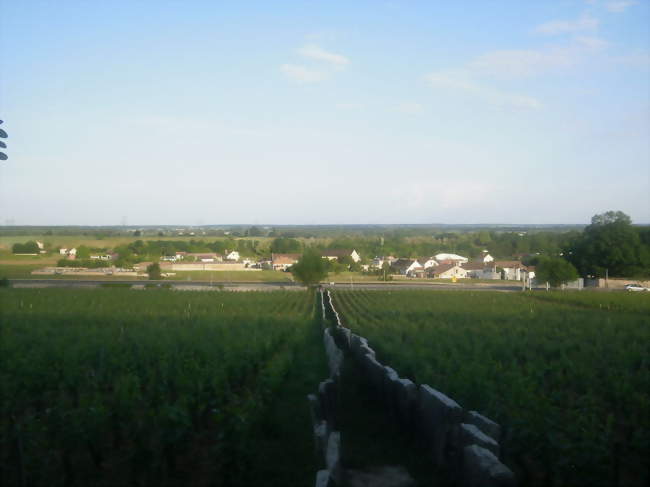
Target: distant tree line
30	247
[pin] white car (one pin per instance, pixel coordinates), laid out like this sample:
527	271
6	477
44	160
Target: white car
636	287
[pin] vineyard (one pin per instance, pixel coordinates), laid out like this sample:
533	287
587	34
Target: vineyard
566	374
116	387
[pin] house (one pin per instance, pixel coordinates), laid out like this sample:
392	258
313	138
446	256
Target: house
486	257
479	270
234	255
141	266
41	247
334	254
103	256
511	270
281	262
180	255
406	267
451	259
378	262
528	276
427	262
447	271
70	253
474	269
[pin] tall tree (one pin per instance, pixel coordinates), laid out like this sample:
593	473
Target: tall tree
555	270
610	245
310	269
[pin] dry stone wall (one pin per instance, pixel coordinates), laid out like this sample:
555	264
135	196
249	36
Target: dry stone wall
324	407
464	443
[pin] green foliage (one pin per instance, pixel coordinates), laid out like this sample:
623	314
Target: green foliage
555	270
310	269
30	247
154	271
83	252
4	282
154	388
567	382
254	232
88	263
284	245
610	245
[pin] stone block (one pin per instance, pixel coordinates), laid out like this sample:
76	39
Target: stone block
328	398
481	468
390	389
321	434
357	342
374	373
486	425
468	434
333	456
323	479
406	396
314	409
345	337
437	417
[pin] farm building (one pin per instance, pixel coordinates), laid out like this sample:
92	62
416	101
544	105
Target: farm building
451	259
281	262
406	267
447	271
338	253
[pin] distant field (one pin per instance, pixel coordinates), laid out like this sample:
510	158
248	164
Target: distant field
566	374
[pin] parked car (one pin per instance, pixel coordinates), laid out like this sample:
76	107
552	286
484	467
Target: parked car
636	287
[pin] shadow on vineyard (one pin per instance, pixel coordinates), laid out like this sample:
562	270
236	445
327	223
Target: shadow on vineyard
371	439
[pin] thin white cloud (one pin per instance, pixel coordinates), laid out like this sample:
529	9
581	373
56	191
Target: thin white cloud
410	108
349	106
620	6
462	83
521	63
302	74
319	54
585	23
592	42
635	59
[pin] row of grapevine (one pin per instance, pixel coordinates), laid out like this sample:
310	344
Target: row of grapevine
570	383
114	387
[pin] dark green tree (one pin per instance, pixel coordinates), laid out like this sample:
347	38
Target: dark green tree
30	247
555	270
83	252
154	271
610	245
284	245
310	269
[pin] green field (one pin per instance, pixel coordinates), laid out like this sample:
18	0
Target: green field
155	387
567	376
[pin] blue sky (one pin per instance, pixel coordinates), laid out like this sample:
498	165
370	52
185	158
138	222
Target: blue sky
324	111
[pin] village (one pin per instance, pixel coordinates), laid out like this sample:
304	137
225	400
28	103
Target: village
440	266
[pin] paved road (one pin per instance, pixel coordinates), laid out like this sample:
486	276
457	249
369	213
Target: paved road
206	285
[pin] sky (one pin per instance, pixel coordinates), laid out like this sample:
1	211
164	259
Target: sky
324	112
